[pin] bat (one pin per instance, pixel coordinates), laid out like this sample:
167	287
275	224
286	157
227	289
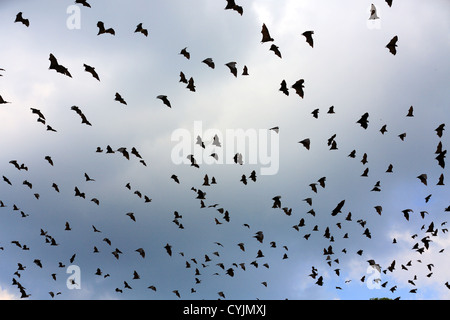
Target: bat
306	143
57	67
91	70
363	121
191	85
119	98
80	113
265	34
231	5
2	101
392	45
102	30
309	38
185	53
275	49
283	88
164	100
140	29
338	208
83	2
20	18
298	87
209	62
232	67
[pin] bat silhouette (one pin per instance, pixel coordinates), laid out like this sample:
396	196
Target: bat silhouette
232	67
309	38
183	78
392	45
363	121
231	5
185	53
49	159
440	158
306	143
119	98
20	18
79	194
440	129
275	49
191	85
80	113
283	87
423	178
57	67
102	30
38	112
298	87
140	29
2	101
168	248
410	112
209	62
83	2
164	100
91	70
265	34
338	208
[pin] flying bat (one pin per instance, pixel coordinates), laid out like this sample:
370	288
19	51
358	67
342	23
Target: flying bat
119	98
185	53
275	49
164	100
232	67
80	113
91	70
298	86
265	34
191	85
20	18
338	208
57	67
140	29
209	62
168	249
102	30
392	45
38	112
308	36
231	5
363	121
283	88
83	2
306	143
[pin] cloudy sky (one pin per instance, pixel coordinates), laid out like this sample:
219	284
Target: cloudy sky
349	67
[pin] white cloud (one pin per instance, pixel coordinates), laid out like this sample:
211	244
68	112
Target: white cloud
5	294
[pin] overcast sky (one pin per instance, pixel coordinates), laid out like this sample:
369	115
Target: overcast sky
349	67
